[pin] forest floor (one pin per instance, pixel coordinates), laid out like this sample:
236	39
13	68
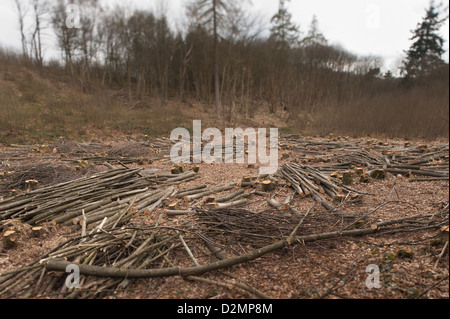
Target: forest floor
412	259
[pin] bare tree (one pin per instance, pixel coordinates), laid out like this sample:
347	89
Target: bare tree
86	44
36	39
22	12
65	36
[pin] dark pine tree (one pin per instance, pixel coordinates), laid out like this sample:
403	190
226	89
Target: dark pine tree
284	32
425	54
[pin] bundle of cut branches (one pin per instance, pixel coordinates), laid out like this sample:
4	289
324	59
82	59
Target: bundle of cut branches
105	248
433	165
129	150
30	175
124	152
362	158
420	160
171	179
308	180
17	152
73	148
316	146
114	194
233	225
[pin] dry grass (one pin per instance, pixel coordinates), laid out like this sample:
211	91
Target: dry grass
421	112
40	105
35	110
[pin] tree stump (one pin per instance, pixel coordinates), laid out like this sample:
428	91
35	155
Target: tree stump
37	232
365	178
9	240
378	174
267	186
31	184
347	178
210	199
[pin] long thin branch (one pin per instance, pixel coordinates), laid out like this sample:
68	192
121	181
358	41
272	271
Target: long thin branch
432	287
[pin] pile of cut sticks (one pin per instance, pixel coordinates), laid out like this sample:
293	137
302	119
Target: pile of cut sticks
115	195
120	248
308	180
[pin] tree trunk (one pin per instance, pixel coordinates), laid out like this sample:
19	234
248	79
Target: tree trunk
216	63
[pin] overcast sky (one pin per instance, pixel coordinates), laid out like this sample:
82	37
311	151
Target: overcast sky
364	27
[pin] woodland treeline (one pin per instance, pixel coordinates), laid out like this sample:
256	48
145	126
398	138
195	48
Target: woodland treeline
221	57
